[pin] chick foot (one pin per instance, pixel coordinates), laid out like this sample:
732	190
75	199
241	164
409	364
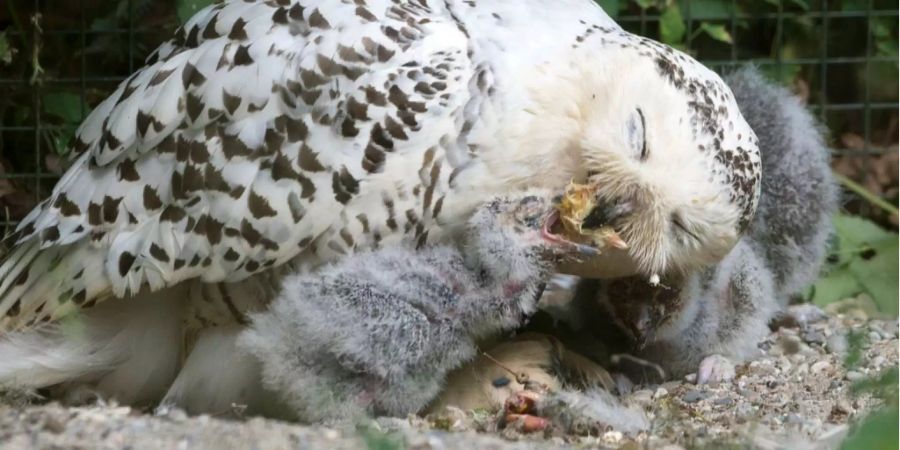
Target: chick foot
715	369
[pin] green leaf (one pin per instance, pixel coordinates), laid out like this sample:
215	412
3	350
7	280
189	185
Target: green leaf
611	7
717	32
858	232
6	52
64	105
876	431
671	25
865	261
710	9
187	8
802	4
644	4
878	274
67	107
836	286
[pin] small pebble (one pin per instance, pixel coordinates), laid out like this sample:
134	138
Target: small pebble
612	437
691	378
813	337
331	434
642	397
660	392
874	336
806	313
854	376
723	401
878	361
693	396
820	366
54	425
836	344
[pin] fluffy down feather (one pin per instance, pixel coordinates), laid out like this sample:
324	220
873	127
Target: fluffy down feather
378	332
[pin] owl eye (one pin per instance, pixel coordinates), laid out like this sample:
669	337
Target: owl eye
637	135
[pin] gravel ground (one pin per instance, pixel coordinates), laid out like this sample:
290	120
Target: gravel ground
797	395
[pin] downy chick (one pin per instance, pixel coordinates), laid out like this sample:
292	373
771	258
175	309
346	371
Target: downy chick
377	333
715	317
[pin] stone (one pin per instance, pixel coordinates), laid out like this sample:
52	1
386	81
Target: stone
694	396
836	344
854	376
820	366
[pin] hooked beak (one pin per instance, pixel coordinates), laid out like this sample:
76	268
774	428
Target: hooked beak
607	236
616	241
547	234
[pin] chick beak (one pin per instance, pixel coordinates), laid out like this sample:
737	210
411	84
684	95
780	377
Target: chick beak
546	233
643	330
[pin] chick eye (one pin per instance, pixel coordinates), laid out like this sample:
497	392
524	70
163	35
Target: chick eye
637	134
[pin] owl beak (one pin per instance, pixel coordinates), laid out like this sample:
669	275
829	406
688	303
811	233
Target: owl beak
547	234
608	237
615	241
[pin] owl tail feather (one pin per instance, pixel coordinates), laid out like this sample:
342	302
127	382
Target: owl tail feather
128	350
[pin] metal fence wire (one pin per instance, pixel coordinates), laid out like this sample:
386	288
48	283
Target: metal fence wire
60	58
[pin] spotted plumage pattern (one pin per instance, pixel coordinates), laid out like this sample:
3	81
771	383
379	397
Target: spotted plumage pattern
257	133
273	136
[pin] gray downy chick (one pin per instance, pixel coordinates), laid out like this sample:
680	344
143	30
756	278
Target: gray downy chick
377	333
709	320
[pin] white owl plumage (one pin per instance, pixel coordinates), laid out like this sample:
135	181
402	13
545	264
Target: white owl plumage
272	136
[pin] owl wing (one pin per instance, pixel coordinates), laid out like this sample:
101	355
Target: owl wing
235	146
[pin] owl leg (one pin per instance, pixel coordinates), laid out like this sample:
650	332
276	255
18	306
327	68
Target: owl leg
219	378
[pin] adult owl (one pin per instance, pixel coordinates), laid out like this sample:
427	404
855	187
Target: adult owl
278	135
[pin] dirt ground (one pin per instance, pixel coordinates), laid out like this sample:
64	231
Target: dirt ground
797	395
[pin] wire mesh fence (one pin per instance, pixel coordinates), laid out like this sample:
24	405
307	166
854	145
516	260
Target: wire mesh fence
60	58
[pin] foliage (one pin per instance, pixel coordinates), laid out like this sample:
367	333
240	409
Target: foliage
878	430
376	438
187	8
6	52
864	259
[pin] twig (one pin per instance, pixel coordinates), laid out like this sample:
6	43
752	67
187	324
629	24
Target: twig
861	191
38	71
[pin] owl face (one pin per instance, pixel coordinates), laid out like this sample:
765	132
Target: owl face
676	165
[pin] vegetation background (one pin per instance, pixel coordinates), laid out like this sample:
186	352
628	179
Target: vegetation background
60	58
